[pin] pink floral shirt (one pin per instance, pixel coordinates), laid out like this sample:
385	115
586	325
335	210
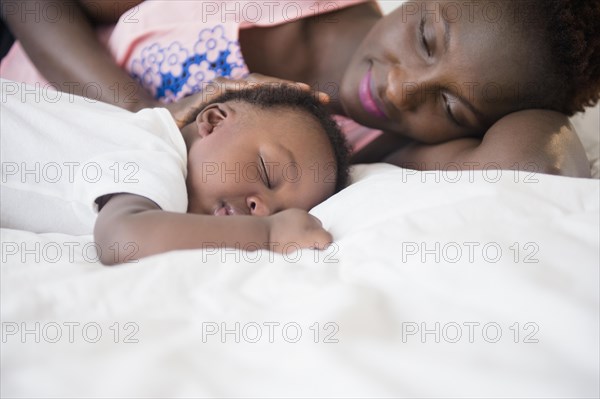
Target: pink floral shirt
174	47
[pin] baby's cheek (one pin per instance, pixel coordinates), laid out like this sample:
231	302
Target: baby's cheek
195	195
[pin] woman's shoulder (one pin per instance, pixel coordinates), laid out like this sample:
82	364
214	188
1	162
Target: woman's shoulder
268	13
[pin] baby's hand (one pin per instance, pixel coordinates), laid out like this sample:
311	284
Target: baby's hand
295	228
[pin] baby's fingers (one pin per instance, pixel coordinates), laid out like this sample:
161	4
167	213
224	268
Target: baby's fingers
318	238
321	240
315	239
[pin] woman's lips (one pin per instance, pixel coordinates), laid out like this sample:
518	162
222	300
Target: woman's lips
367	97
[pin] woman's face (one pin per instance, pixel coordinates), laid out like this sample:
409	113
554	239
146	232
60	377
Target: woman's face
435	71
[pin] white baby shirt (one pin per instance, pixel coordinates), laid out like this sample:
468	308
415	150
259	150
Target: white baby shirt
60	152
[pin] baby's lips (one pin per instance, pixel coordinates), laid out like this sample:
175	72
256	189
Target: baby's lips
221	211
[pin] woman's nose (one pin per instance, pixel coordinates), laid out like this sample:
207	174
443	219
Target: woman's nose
404	92
258	206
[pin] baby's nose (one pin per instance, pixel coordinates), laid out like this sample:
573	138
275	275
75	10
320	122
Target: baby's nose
257	206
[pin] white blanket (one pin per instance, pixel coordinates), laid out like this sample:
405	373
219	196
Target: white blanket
438	284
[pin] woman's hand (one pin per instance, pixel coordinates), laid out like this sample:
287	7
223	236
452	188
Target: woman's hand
185	110
256	79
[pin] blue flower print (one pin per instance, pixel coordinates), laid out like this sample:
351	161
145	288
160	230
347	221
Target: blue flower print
174	71
212	43
147	68
236	60
174	57
199	73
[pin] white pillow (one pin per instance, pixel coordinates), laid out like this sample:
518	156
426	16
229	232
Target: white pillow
588	128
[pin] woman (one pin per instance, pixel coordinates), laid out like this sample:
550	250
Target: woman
470	85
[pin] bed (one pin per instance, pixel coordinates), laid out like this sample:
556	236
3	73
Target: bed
472	284
445	284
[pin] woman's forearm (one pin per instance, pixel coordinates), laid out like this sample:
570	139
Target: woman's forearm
109	11
67	53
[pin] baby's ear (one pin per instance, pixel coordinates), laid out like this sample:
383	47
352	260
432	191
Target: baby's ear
211	116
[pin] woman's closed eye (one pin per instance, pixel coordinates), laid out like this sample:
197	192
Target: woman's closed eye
424	42
446	102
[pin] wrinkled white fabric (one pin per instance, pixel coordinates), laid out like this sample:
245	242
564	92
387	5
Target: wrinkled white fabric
518	317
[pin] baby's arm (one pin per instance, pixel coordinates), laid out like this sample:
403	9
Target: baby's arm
139	228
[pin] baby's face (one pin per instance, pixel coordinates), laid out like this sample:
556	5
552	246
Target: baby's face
250	161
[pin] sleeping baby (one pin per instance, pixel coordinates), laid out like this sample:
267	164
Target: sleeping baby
245	171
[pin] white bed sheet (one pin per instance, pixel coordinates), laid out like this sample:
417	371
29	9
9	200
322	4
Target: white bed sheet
373	286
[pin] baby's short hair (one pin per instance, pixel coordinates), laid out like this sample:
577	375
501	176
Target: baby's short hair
288	96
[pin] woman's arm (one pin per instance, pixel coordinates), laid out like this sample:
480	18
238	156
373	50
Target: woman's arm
131	227
108	11
66	51
532	140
